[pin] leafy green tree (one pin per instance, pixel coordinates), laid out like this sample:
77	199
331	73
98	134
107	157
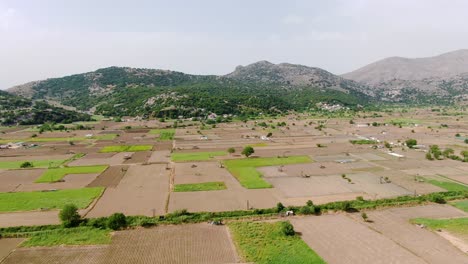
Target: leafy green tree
26	164
69	216
287	229
117	221
411	143
248	151
279	207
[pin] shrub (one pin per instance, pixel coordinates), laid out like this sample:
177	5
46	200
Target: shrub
117	221
437	198
287	229
307	210
279	207
364	216
26	164
69	216
309	203
410	143
231	150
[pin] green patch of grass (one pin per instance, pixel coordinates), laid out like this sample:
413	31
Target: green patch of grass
27	201
452	225
363	142
164	134
36	164
134	148
105	137
70	236
462	205
56	174
196	156
449	186
196	187
245	169
265	243
403	121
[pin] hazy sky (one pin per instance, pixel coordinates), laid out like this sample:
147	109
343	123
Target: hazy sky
52	38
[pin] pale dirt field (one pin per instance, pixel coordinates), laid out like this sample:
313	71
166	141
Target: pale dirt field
235	197
7	245
58	255
338	239
160	156
394	224
29	218
142	189
101	159
71	181
12	179
198	243
31	158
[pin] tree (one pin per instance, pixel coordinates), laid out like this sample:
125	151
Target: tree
231	150
248	151
26	164
279	207
117	221
411	143
429	156
287	229
448	152
69	216
269	134
309	203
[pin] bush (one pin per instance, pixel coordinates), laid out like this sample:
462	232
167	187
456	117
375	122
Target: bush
279	207
69	216
309	203
307	210
26	164
248	151
117	221
410	143
287	229
437	198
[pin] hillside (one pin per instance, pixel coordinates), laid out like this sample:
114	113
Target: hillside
442	66
18	110
259	87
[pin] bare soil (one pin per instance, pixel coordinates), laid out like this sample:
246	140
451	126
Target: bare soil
110	177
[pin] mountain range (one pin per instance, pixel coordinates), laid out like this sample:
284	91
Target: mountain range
259	87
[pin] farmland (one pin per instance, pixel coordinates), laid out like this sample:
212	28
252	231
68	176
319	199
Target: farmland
194	174
27	201
56	174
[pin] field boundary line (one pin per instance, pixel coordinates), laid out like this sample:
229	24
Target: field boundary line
93	203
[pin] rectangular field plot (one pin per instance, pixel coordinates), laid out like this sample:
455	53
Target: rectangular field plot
339	239
246	173
164	134
266	243
65	255
197	244
35	163
196	156
27	201
56	174
144	188
196	187
132	148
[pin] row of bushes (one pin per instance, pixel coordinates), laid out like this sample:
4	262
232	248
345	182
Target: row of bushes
118	221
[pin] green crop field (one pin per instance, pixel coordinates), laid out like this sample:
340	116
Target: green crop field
449	186
196	187
452	225
164	134
246	173
36	163
265	243
28	201
133	148
196	156
56	174
68	236
462	205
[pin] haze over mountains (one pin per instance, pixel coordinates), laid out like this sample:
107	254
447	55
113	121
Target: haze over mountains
258	87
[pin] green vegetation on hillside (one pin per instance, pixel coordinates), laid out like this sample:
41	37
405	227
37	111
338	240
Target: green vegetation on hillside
363	142
28	201
261	242
134	148
197	156
56	174
246	173
449	186
196	187
462	205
